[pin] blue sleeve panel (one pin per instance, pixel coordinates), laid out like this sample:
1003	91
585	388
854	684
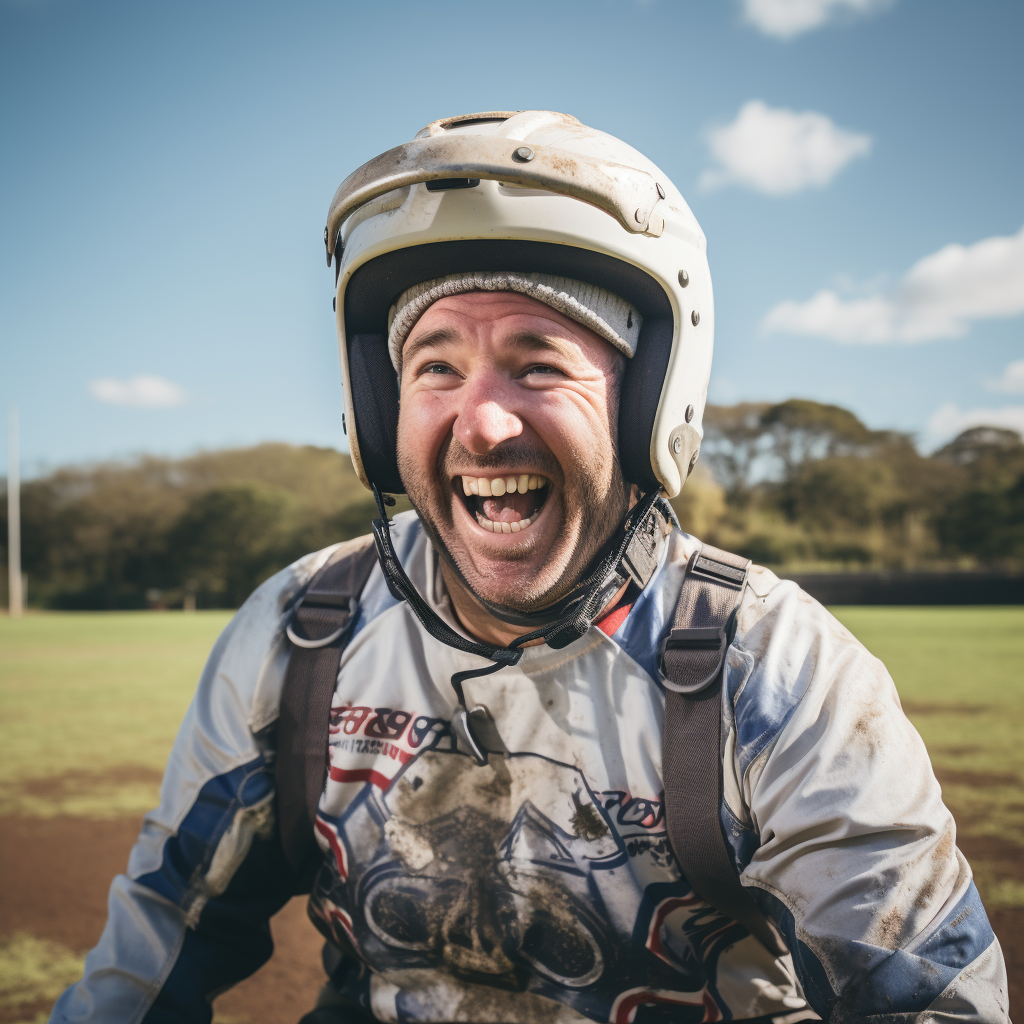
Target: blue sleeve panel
189	852
231	938
889	981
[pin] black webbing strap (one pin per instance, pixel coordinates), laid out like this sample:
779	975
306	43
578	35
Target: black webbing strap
319	633
692	658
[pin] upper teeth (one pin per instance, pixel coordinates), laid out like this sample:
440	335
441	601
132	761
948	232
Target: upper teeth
487	487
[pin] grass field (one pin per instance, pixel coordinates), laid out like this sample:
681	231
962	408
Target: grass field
960	676
90	703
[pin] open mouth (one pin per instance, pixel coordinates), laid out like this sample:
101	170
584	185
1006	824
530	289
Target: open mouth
504	504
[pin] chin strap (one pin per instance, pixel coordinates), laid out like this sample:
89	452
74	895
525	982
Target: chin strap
632	554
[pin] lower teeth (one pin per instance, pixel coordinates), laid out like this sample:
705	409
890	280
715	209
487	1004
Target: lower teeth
499	527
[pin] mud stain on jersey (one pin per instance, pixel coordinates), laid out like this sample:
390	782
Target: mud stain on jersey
586	822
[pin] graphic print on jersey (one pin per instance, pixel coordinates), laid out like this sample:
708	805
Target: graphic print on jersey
446	876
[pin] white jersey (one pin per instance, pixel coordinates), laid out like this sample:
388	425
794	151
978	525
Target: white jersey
541	885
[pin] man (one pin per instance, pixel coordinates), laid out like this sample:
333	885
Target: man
525	318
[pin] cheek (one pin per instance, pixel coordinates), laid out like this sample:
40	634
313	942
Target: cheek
424	421
575	425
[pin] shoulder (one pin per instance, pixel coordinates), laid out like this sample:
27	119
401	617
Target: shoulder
245	671
792	665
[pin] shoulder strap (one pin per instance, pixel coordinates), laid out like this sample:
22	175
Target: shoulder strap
692	657
319	634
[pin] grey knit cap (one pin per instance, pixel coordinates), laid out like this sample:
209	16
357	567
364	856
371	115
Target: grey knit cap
605	313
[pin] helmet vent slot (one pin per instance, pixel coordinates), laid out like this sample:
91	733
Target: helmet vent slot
446	184
469	120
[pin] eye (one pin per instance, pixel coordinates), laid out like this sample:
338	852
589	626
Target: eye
437	368
540	369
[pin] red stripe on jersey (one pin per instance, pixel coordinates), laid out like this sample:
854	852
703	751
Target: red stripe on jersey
360	775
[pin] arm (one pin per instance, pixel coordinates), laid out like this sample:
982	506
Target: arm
191	915
855	857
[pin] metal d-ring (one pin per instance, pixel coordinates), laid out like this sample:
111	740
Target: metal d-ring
312	645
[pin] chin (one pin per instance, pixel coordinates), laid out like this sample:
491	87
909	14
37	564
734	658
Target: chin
514	545
517	573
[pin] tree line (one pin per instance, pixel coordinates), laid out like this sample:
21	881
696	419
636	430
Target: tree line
793	485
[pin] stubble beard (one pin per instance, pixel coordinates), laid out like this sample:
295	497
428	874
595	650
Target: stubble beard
592	501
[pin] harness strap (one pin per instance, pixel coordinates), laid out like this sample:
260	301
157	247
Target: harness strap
319	632
692	658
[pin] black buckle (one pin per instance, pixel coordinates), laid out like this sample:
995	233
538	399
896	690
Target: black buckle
720	572
707	638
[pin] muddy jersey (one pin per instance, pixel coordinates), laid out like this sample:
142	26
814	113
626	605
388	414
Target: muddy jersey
541	885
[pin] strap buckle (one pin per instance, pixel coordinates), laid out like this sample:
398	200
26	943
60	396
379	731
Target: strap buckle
706	638
719	572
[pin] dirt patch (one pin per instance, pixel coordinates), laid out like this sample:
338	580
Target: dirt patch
980	780
56	787
911	707
962	751
55	873
54	877
1004	856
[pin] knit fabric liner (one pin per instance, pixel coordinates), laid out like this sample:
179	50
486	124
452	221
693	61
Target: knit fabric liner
605	313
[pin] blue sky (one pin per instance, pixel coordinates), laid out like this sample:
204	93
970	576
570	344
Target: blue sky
166	167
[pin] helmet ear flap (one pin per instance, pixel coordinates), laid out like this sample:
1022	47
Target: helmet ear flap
374	386
639	399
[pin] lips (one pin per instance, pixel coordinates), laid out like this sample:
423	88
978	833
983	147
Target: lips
507	503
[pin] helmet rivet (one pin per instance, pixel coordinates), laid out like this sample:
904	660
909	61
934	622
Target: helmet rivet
660	188
688	415
677	444
695	318
523	154
684	278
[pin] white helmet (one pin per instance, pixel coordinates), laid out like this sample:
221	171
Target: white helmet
532	191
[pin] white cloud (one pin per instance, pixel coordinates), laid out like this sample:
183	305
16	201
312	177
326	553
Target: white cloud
141	392
938	297
778	151
1012	380
948	420
785	19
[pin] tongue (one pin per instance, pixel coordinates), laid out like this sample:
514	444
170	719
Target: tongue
511	507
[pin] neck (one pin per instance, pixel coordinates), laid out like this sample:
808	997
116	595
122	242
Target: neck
482	625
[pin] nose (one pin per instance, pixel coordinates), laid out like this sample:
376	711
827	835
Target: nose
486	415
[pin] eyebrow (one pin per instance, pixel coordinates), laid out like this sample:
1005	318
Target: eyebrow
527	341
441	336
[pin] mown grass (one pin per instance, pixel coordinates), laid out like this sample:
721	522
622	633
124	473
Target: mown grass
960	676
90	703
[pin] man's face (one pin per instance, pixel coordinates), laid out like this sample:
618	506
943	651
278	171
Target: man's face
499	388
